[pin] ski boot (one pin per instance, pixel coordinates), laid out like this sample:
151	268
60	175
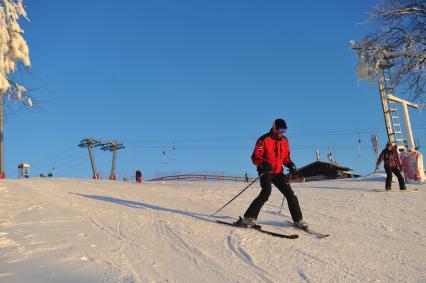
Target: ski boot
301	224
246	221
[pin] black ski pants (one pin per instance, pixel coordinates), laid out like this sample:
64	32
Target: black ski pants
398	174
281	182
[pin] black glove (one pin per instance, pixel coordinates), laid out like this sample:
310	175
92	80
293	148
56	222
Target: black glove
292	168
265	167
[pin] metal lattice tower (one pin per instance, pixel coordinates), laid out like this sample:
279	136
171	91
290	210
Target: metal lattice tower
112	146
390	109
90	143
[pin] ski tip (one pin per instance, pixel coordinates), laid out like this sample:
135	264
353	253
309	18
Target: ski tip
324	236
259	228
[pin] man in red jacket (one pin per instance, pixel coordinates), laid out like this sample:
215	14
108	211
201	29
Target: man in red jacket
270	154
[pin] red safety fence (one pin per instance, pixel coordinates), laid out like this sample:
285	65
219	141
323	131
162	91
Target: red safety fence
201	177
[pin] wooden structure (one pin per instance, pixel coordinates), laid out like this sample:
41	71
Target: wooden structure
320	170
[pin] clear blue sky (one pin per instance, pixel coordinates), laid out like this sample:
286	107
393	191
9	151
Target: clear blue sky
208	77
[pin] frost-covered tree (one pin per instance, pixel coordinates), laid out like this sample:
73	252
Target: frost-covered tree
400	41
13	51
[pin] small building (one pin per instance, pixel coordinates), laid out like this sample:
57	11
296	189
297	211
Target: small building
23	170
320	170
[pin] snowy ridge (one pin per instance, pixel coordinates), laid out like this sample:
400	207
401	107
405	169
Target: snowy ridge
70	230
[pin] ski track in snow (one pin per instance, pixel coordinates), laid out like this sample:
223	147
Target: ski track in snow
234	246
303	276
203	262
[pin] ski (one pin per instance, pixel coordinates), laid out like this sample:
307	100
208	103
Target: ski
312	232
394	191
259	228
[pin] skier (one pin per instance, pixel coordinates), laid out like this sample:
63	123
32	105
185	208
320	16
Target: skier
138	176
392	165
270	154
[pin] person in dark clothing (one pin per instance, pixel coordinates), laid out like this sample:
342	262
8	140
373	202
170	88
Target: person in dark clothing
270	154
392	165
138	176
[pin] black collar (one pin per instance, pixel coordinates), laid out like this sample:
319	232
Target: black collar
271	133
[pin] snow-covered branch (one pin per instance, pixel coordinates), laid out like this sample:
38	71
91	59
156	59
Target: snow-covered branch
400	42
13	49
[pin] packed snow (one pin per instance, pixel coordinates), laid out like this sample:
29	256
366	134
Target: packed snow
71	230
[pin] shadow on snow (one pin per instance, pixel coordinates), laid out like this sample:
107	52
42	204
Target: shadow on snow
142	205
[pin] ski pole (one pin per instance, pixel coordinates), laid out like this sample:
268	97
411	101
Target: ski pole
282	203
252	182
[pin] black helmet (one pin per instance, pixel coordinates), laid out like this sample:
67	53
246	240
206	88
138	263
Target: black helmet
280	124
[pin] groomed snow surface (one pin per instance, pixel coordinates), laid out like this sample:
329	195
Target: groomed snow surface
70	230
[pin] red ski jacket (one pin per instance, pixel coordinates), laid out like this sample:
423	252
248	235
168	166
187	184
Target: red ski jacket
272	150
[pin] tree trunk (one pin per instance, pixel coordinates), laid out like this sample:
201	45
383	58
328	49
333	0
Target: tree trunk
2	173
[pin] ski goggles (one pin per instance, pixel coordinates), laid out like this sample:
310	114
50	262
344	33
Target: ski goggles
282	131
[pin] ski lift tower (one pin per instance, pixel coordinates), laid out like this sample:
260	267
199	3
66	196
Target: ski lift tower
412	161
389	107
407	124
90	143
386	88
112	146
390	111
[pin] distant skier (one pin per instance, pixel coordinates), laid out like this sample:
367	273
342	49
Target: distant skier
392	165
138	176
270	154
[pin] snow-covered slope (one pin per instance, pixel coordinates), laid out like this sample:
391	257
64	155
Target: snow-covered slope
68	230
